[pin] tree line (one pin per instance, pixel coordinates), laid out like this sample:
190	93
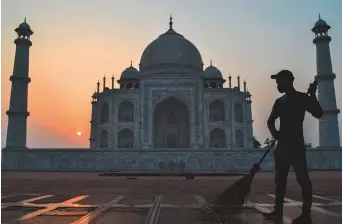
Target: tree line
267	142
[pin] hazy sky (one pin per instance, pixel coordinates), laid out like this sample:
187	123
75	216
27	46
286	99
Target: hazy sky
76	42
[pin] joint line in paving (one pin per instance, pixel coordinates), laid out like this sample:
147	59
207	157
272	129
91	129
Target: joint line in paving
263	210
153	215
314	208
24	202
50	208
92	215
325	198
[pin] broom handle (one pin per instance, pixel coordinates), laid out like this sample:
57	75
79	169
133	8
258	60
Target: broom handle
267	151
274	141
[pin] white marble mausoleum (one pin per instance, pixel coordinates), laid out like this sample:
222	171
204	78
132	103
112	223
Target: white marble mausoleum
171	102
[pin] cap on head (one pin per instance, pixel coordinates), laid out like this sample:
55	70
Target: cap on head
283	74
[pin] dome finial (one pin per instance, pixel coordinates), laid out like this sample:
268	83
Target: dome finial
131	64
25	19
319	15
211	62
170	23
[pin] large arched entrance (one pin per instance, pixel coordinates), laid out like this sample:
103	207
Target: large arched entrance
171	126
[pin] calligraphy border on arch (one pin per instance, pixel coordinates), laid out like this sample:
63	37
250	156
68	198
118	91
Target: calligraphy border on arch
183	95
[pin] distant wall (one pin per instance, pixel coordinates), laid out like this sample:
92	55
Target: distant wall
196	160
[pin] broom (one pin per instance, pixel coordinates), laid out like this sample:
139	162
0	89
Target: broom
235	196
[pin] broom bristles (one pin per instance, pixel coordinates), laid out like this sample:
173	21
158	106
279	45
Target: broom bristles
235	195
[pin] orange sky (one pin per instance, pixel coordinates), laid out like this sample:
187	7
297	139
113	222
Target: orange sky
59	94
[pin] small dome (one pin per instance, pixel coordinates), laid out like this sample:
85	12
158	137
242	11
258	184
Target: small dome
321	22
24	26
94	95
24	29
212	73
130	73
321	26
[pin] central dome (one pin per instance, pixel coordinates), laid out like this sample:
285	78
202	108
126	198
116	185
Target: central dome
171	52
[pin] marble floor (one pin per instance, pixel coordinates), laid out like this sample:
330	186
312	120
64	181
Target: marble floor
86	198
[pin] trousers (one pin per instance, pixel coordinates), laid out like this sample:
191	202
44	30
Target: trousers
283	162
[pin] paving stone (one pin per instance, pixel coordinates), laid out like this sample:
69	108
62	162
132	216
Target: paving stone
12	213
261	198
127	216
96	199
55	199
177	200
175	195
138	199
15	198
51	220
334	209
181	216
317	217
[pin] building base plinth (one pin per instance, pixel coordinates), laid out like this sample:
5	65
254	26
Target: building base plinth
154	160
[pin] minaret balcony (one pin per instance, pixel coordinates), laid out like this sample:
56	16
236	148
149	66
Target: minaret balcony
322	38
17	114
325	76
331	111
20	41
14	78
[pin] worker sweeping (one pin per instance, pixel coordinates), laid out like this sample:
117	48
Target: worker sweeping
290	149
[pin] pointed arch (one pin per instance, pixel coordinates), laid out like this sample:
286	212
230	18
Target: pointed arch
217	138
104	113
216	111
171	126
125	138
239	139
104	138
238	112
126	111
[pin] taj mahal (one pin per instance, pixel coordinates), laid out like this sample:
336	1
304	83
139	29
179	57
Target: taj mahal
171	114
171	103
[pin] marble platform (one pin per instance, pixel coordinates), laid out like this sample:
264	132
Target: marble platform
154	160
80	198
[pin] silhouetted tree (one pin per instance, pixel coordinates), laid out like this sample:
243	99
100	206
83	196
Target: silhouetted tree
267	142
307	145
256	143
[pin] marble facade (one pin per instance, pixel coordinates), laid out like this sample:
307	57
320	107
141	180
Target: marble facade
185	90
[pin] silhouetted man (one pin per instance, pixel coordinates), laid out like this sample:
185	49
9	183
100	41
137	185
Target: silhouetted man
290	149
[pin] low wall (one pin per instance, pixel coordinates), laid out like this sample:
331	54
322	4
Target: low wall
143	160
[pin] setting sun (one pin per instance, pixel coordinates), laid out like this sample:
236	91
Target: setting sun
78	133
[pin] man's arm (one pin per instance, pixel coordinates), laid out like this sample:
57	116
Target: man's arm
313	106
271	121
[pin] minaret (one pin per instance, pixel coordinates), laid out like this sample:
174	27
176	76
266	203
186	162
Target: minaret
328	125
93	124
230	81
113	81
249	121
17	113
104	83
